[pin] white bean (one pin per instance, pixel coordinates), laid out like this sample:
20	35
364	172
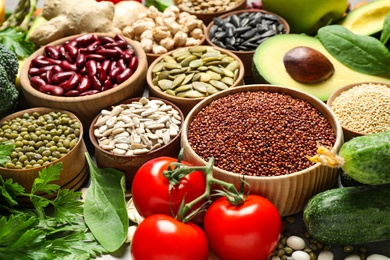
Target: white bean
352	257
377	257
300	255
296	243
326	255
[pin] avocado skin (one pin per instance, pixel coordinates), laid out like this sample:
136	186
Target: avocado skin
368	19
268	67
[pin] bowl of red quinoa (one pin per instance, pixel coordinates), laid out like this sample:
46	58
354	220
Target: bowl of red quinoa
265	134
361	108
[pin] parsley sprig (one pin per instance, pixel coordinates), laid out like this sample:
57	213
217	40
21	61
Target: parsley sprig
51	229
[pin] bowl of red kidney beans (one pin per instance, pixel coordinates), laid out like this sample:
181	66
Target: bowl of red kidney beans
84	73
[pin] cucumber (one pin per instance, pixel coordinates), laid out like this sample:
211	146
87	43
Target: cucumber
367	158
349	216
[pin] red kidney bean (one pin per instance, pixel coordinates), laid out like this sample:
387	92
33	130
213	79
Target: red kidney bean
52	90
41	62
72	93
126	56
47	77
95	83
119	37
89	92
109	53
72	83
121	64
124	75
83	71
81	59
113	74
60	77
106	39
64	55
84	85
102	75
33	71
44	69
91	68
95	56
85	40
93	46
36	82
56	69
72	51
67	66
133	63
106	65
120	44
52	52
107	84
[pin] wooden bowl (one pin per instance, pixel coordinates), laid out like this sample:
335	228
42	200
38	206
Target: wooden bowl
152	57
245	56
208	17
129	164
86	107
289	192
75	167
348	132
186	104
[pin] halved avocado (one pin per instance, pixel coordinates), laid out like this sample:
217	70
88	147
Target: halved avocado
268	66
367	19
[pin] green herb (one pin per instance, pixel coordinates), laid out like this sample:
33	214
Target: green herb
361	53
5	150
35	234
17	41
385	35
105	206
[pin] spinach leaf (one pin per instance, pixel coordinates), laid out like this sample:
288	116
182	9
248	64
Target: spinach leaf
361	53
385	35
105	210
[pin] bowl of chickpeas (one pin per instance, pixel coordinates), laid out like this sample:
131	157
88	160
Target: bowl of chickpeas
43	137
361	108
160	32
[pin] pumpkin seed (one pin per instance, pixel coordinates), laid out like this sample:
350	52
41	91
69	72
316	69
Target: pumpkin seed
178	80
165	84
200	86
219	84
213	75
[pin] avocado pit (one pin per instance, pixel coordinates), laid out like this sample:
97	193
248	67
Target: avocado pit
307	65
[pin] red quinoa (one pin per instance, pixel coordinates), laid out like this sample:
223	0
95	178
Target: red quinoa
259	133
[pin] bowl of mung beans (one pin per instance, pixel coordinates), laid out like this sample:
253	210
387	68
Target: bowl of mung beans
264	134
242	31
134	131
43	137
207	10
187	75
362	108
84	73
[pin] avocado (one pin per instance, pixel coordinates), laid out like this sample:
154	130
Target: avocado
268	66
367	19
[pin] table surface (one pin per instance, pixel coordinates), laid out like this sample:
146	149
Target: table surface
297	228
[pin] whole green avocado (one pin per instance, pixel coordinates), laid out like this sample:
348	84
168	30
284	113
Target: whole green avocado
9	95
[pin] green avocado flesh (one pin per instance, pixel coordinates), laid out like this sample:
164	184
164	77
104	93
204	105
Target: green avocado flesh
268	67
367	19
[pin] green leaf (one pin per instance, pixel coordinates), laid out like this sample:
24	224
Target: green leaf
67	206
9	191
361	53
385	35
17	41
46	175
5	151
105	206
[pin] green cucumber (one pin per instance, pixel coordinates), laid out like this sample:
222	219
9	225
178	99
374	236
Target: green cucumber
367	158
349	216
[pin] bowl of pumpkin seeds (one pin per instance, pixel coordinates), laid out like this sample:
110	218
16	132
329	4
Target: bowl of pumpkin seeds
187	75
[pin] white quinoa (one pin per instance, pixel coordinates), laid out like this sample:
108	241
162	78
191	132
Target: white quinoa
364	108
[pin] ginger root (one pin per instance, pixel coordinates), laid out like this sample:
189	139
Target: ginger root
70	17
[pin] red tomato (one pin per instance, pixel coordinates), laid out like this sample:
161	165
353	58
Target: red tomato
160	237
247	231
150	188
